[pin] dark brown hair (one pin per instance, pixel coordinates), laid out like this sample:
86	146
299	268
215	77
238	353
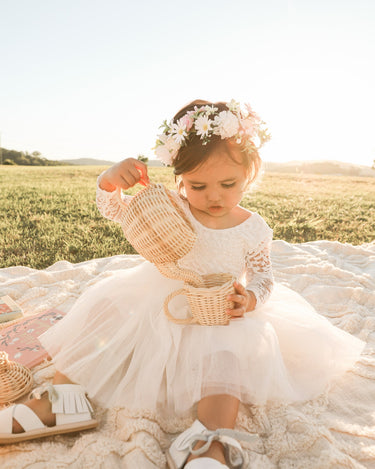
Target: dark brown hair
194	153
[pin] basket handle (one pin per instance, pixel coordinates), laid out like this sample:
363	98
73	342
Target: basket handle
119	192
181	291
174	271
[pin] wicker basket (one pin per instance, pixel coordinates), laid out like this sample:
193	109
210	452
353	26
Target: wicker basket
15	379
157	227
208	302
173	271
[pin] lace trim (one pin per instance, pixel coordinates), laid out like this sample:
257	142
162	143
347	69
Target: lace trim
111	204
259	275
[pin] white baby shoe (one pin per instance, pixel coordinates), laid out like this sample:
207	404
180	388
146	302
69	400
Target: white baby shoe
205	463
70	404
183	446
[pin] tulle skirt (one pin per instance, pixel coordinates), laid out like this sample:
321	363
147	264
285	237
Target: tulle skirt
117	342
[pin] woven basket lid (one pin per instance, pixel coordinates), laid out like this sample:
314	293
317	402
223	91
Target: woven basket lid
15	379
157	227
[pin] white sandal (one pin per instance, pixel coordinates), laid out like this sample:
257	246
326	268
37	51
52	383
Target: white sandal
182	447
205	463
70	404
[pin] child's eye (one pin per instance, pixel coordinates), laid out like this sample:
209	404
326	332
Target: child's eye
198	188
227	186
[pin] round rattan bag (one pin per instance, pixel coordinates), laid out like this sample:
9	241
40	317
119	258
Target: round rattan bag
157	227
15	379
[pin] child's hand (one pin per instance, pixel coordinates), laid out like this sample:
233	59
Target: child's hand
124	174
244	301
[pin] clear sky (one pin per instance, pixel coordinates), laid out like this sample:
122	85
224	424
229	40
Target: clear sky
89	78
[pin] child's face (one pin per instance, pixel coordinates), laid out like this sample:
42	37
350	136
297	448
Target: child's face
215	187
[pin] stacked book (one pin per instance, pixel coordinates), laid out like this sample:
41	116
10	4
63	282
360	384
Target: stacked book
9	309
19	338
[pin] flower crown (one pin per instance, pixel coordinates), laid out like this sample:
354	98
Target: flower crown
205	121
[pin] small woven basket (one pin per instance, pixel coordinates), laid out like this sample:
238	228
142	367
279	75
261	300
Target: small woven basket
208	302
173	271
15	379
157	227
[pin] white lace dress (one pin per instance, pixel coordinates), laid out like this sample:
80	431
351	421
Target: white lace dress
117	342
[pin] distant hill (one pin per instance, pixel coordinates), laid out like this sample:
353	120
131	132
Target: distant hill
333	168
88	162
95	162
22	158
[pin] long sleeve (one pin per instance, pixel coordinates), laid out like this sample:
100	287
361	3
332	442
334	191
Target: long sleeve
111	204
259	276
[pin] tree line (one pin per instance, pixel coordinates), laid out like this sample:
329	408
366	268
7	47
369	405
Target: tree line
24	158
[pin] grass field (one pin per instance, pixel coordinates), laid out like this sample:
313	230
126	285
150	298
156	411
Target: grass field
49	213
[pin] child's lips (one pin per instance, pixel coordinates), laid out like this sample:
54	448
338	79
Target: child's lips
215	208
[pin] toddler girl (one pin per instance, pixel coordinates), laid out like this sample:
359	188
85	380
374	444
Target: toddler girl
118	344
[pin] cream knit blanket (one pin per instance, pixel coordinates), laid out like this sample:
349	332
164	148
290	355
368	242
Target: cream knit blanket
336	430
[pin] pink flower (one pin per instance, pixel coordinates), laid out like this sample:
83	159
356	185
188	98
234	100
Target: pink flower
188	121
248	127
248	108
252	114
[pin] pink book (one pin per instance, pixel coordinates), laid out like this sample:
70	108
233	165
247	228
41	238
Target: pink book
20	340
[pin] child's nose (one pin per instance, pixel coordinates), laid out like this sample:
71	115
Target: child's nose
213	196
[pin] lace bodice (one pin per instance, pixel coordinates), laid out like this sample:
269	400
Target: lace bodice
243	250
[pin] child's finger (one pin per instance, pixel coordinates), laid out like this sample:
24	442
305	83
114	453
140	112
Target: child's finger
236	312
142	170
126	182
239	299
134	173
130	179
239	287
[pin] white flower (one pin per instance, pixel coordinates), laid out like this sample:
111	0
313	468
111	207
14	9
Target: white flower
166	149
203	126
162	153
226	124
178	131
209	109
172	145
168	142
234	106
205	110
